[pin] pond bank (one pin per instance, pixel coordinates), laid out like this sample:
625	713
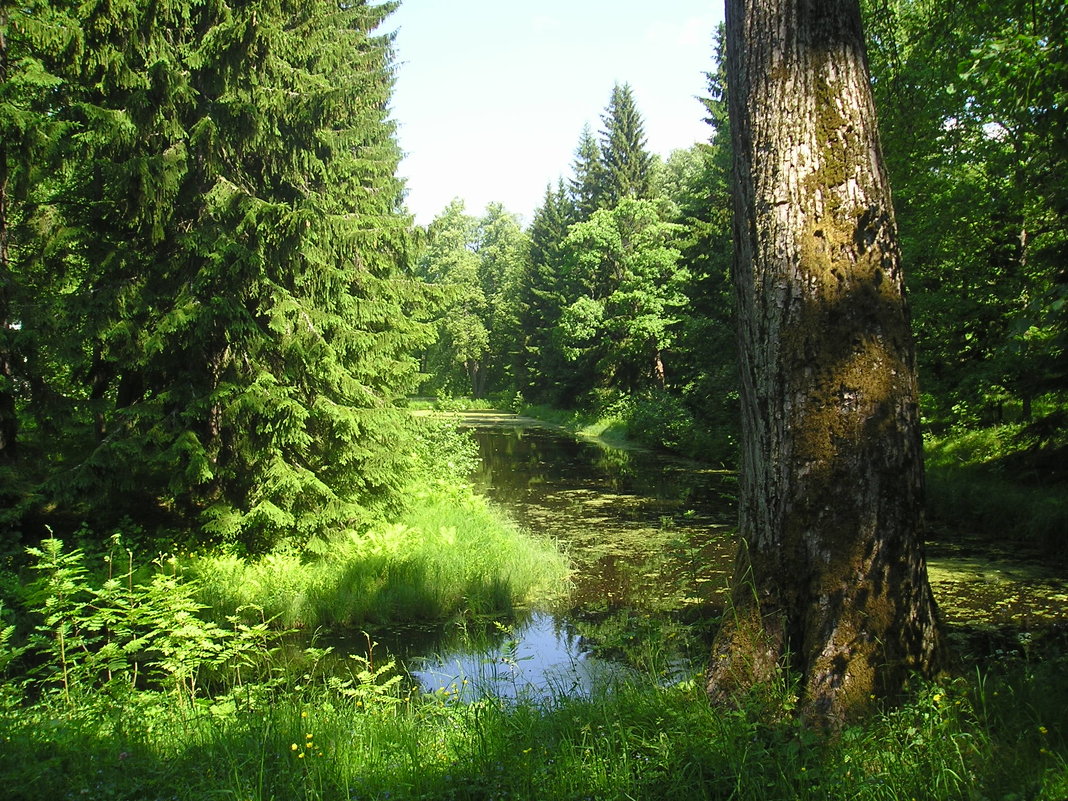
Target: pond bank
651	537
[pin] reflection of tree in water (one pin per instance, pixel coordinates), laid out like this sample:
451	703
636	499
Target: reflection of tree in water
615	463
644	530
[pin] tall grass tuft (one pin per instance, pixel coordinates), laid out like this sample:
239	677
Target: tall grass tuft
449	554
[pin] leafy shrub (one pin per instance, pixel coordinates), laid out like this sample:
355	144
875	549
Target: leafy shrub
443	452
89	632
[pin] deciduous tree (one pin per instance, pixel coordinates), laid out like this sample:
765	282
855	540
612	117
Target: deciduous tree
624	270
830	578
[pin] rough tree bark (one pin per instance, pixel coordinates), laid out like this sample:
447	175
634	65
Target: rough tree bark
830	577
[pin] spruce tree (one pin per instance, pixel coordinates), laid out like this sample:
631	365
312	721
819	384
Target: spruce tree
707	355
543	295
627	164
587	187
242	261
30	32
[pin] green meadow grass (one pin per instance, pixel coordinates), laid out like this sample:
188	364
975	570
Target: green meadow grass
449	554
1000	738
985	481
123	685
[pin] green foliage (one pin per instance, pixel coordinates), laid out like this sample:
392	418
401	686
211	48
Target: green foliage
633	740
124	633
225	316
971	112
587	187
476	264
445	454
595	305
626	165
449	261
449	555
543	295
623	269
698	184
659	418
625	287
503	253
29	130
999	482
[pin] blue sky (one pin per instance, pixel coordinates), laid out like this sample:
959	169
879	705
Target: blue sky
492	95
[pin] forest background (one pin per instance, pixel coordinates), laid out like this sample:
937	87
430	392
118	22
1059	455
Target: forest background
623	310
214	309
212	298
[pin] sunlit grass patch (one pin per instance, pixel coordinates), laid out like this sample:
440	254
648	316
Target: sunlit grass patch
993	481
635	739
449	554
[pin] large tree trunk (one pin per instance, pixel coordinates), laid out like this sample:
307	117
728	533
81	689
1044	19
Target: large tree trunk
830	578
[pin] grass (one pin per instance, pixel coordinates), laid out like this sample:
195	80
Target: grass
1002	737
654	419
451	404
997	481
116	690
450	554
447	554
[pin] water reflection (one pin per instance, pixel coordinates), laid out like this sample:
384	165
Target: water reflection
650	538
542	657
652	543
643	528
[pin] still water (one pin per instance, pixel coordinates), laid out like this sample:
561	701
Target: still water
651	539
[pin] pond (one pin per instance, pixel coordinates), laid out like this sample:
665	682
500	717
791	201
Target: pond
651	539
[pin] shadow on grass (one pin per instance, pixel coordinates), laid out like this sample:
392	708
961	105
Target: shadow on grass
999	736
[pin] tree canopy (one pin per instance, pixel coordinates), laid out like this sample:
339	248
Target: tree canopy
223	314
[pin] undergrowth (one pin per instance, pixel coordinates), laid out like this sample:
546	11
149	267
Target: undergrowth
449	554
1002	482
1001	735
653	419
